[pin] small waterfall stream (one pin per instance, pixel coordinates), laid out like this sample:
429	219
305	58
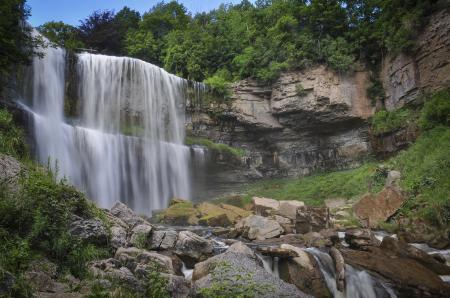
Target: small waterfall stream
97	152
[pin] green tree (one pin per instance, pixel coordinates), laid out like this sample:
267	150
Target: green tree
62	34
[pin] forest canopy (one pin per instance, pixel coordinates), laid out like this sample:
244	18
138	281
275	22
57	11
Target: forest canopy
257	39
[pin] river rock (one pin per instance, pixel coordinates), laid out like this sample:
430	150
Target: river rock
192	248
360	238
339	266
242	262
263	206
304	272
127	215
289	209
177	286
312	219
163	239
140	235
214	216
180	213
400	248
91	230
285	223
408	277
372	209
235	213
258	227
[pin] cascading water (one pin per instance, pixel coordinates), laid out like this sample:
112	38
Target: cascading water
116	96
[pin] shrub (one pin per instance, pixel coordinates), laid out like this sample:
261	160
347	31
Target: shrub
12	138
386	121
436	110
222	148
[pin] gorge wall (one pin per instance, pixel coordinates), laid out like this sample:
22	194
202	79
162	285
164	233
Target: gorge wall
307	121
315	120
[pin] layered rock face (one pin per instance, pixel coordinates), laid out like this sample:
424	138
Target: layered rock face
306	121
405	77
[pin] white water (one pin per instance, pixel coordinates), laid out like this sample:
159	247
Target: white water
115	94
358	284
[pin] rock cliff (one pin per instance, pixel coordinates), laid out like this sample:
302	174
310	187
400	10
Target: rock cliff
406	76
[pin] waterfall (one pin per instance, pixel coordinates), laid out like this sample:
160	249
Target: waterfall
358	283
126	141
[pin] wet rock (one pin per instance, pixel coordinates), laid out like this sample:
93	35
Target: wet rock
314	239
127	215
360	238
277	252
372	209
400	248
163	240
312	219
303	271
258	227
140	235
330	234
263	206
339	266
242	262
90	230
408	277
192	248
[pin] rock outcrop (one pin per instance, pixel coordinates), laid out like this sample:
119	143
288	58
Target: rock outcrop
405	77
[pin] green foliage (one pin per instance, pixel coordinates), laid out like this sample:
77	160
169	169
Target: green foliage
220	87
16	43
425	169
222	148
35	220
436	110
12	138
157	284
233	282
62	34
375	91
301	92
313	190
386	121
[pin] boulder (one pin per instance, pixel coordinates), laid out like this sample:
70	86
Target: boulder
285	223
90	230
312	219
118	237
111	269
177	286
408	277
335	203
235	213
163	239
264	206
395	247
360	238
134	258
314	239
289	209
192	248
10	169
241	267
140	235
373	209
304	272
127	215
180	213
214	216
339	267
258	227
393	179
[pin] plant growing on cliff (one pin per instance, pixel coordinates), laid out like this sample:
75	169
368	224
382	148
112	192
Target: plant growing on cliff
436	110
387	121
229	281
218	147
12	138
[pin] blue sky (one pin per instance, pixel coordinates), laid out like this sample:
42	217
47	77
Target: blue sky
71	11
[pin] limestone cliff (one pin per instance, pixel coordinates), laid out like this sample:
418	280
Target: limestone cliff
406	76
307	121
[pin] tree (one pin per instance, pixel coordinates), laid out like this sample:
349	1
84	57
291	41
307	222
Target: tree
62	34
100	32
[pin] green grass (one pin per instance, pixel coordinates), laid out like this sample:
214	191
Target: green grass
222	148
313	190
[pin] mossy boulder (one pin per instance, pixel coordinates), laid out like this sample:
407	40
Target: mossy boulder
180	212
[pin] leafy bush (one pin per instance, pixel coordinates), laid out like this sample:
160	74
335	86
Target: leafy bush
219	86
232	282
35	220
12	139
386	121
436	110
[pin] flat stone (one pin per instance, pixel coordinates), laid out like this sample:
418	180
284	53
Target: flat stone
258	227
